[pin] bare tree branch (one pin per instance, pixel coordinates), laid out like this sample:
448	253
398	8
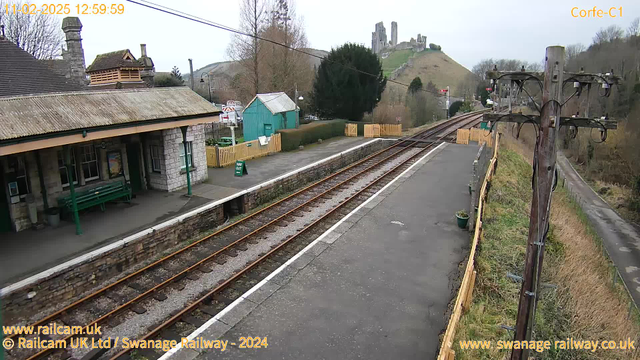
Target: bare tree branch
38	34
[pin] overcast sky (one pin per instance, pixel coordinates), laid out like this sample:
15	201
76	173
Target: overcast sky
467	30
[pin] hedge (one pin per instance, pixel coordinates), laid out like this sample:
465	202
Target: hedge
310	133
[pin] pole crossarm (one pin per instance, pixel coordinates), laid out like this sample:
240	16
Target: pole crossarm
520	118
514	75
588	78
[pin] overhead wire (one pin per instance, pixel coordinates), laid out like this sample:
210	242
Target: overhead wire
174	12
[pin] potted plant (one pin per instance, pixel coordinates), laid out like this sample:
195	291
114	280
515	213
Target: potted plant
463	218
53	216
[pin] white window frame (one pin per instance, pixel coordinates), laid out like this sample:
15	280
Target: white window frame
73	162
189	153
155	152
92	151
21	163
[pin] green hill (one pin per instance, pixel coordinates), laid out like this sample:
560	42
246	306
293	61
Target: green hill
429	65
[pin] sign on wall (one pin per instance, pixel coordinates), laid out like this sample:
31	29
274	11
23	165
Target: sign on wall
114	162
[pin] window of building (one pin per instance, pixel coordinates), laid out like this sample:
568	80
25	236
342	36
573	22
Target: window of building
19	181
89	162
156	158
64	177
189	155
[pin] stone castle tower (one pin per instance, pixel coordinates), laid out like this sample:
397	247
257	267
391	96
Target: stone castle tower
394	33
74	54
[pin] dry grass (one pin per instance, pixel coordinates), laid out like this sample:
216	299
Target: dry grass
587	304
600	308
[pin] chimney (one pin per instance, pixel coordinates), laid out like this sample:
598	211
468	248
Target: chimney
149	70
74	56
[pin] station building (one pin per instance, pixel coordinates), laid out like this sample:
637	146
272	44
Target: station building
133	136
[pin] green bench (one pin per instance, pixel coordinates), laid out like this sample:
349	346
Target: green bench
96	196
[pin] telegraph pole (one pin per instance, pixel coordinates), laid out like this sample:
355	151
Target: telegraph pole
544	172
546	125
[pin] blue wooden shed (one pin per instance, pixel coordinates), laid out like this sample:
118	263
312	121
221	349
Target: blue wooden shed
268	113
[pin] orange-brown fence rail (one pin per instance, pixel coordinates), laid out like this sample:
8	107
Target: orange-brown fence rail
462	136
351	129
248	150
463	299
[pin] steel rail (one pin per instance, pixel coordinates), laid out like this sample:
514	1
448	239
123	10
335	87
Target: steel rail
210	257
430	131
223	285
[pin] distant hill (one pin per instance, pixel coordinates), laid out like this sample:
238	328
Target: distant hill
429	65
223	72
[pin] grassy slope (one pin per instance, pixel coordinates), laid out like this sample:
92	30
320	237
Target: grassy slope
586	305
434	66
395	60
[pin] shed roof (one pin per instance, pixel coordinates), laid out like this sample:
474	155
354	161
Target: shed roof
21	73
25	116
277	102
114	60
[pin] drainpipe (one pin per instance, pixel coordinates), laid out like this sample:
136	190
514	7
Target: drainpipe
43	188
72	191
186	157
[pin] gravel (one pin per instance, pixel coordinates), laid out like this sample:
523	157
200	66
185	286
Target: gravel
134	325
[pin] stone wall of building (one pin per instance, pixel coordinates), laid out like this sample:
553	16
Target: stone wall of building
175	173
19	212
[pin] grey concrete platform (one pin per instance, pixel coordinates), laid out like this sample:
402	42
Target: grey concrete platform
272	166
620	238
31	251
376	287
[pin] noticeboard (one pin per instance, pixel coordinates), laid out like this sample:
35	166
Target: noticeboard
241	168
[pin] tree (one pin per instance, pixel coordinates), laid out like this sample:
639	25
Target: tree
343	87
634	28
246	50
610	34
453	109
285	68
481	68
572	51
175	73
431	87
38	34
416	85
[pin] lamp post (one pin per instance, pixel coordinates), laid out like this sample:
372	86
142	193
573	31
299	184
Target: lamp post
208	82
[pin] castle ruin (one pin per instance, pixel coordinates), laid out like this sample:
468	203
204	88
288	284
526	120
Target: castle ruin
380	45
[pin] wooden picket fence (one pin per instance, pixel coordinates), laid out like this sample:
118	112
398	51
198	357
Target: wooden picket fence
464	297
351	130
390	129
463	136
371	130
244	151
481	136
377	130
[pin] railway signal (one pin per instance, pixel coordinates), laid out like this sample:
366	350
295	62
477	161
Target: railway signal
545	175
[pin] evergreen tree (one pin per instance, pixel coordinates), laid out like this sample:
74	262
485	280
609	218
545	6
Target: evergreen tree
416	85
342	89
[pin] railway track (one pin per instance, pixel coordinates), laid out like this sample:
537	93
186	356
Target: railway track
158	283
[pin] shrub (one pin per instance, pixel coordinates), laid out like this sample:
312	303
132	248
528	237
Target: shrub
310	133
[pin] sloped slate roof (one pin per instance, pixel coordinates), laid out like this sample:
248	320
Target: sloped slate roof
21	73
113	60
32	115
276	102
